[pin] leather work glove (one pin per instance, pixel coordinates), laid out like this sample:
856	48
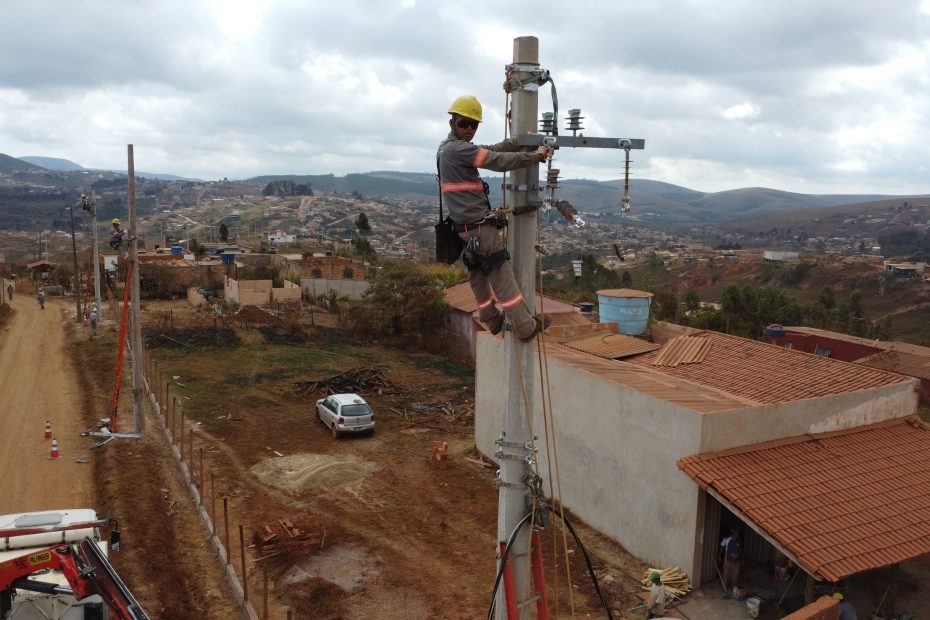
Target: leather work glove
543	153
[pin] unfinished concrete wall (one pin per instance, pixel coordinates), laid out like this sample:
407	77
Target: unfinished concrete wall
290	292
742	427
352	289
617	451
248	292
332	268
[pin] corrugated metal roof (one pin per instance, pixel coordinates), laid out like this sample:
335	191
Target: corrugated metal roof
683	350
611	346
842	502
569	318
766	373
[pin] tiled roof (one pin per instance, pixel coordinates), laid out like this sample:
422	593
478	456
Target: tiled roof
700	398
765	373
842	502
900	362
610	345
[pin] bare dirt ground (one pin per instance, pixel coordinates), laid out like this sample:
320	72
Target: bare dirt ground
403	540
37	385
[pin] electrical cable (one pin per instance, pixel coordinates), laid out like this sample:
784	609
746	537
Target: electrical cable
587	560
503	563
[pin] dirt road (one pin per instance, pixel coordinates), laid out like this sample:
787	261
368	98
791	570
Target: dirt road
37	383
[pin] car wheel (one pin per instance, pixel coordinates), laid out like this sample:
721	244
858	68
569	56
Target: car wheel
335	431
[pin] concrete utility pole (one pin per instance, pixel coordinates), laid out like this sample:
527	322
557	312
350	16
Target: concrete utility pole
135	319
77	274
514	499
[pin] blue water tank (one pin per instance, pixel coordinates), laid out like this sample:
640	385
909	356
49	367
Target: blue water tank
176	249
625	306
228	258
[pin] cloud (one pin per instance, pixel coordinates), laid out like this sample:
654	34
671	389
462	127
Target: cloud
828	96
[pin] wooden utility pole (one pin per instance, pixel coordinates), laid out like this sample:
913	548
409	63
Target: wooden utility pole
514	500
77	274
135	319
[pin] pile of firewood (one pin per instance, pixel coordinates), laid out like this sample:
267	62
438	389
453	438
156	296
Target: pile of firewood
356	380
285	535
676	582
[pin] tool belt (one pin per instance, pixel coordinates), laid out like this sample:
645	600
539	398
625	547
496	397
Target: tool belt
496	221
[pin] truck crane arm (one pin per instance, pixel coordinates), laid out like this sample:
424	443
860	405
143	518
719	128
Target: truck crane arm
86	569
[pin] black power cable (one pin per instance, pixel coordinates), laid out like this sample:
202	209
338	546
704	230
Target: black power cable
584	552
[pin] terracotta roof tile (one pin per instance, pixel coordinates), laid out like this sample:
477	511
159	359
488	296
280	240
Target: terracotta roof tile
766	373
842	502
900	362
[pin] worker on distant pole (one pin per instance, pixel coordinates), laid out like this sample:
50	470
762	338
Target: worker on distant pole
487	260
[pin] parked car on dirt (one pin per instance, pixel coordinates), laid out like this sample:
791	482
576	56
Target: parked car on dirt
345	413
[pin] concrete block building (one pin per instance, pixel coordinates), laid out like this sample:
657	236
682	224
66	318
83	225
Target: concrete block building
627	411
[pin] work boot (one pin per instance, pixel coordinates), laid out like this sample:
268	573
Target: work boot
495	324
542	322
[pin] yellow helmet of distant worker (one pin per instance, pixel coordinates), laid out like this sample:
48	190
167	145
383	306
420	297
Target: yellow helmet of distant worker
116	221
467	106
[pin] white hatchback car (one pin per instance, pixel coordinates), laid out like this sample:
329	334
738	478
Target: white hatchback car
345	413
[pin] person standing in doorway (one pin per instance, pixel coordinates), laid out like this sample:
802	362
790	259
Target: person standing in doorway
731	551
9	292
93	320
847	611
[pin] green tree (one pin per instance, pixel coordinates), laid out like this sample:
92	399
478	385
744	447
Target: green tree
827	298
626	280
224	232
362	224
404	301
692	300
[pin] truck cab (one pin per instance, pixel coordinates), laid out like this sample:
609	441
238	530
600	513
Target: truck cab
25	532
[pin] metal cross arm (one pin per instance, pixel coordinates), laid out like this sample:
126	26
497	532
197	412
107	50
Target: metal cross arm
581	142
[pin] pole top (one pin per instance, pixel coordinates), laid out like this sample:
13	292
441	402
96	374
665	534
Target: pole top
526	50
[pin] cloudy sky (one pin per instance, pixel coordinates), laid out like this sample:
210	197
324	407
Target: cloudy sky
812	96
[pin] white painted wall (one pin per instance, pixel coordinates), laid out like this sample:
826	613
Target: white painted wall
618	447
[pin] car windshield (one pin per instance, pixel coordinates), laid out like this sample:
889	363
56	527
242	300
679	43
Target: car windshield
355	410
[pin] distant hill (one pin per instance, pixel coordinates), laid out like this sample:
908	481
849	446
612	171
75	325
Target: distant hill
12	164
52	163
654	203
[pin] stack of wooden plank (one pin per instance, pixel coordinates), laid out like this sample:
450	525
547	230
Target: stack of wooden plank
284	534
675	581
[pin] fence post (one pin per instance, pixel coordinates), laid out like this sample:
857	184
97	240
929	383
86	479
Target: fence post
201	476
245	577
213	500
226	523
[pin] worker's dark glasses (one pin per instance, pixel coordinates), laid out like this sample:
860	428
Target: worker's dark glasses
466	123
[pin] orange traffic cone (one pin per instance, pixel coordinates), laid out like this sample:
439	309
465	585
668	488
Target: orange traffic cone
48	429
55	453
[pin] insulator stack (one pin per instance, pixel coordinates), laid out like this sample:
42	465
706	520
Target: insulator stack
552	178
547	123
574	120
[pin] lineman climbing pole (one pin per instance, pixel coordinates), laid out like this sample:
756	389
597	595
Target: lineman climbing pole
519	484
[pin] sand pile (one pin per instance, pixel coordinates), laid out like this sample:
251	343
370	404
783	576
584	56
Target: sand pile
299	473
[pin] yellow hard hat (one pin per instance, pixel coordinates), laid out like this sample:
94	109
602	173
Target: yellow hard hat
116	221
467	106
838	596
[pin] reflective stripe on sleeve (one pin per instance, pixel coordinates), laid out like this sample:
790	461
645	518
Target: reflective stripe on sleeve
480	156
513	301
464	186
484	304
